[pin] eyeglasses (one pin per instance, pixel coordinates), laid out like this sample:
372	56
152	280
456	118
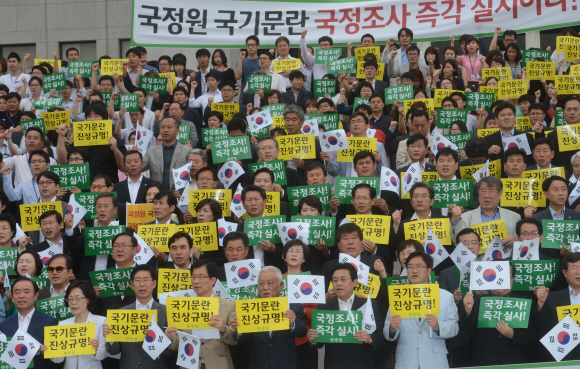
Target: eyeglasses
421	197
48	182
76	160
144	280
418	267
57	269
48	223
266	58
37	161
341	280
205	179
122	246
474	242
75	299
573	269
361	198
526	234
98	187
200	277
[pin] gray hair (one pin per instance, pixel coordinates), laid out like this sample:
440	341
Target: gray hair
270	138
491	181
259	72
293	108
577	155
272	269
199	152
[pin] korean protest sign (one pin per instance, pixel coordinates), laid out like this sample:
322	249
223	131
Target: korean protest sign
356	145
457	192
228	110
360	71
336	326
330	122
361	52
558	232
19	351
322	87
107	99
138	214
153	84
532	55
263	228
440	94
112	66
501	74
395	281
128	325
113	282
490	230
54	119
99	240
49	61
523	123
183	135
54	306
296	146
55	81
157	235
512	88
8	257
259	81
191	312
173	79
348	65
281	65
262	315
370	289
322	191
429	103
417	230
360	101
209	135
343	187
490	90
69	340
231	148
494	169
532	273
170	280
82	68
324	56
542	174
93	133
402	93
73	175
568	137
130	102
224	197
572	310
276	166
514	311
519	192
459	139
29	214
204	235
321	228
536	70
47	104
39	123
476	100
376	228
414	300
88	201
447	116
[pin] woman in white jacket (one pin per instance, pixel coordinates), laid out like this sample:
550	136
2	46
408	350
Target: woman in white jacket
80	298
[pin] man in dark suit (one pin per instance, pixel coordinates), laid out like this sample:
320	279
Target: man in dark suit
132	193
274	349
264	178
297	94
60	273
235	249
50	226
30	320
371	70
572	117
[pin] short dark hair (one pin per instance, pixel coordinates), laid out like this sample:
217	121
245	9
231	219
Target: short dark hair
367	35
296	74
572	257
548	182
514	151
255	188
410	242
49	175
37	261
68	260
451	100
510	32
263	170
253	37
537	106
447	151
210	265
371	63
14	55
533	221
134	241
504	105
49	213
235	236
466	231
543	141
13	95
42	153
214	206
78	150
133	50
417	137
237	124
165	57
413	48
6	217
35	129
24	279
178	235
476	147
87	289
526	97
315	165
146	268
407	31
348	228
423	185
296	242
423	255
311	201
325	38
344	266
363	155
171	199
372	190
132	152
206	169
213	75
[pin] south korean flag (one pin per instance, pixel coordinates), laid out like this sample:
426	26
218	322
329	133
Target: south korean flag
183	203
306	289
19	233
440	142
260	120
20	350
230	172
369	322
496	250
331	141
412	176
389	180
575	193
481	172
155	340
490	275
225	227
562	339
181	176
575	246
371	133
236	206
434	248
293	231
362	270
242	273
143	253
77	210
47	254
527	250
188	353
462	256
519	141
310	126
143	139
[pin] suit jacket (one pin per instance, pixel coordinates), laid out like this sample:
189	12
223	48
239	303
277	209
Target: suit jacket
569	214
132	354
122	189
473	217
44	293
561	159
270	259
495	139
368	260
35	329
406	203
68	247
424	349
402	157
303	96
277	350
154	161
35	235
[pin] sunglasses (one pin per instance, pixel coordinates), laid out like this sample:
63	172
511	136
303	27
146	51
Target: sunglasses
58	269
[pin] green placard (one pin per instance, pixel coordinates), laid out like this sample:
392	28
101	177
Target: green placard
324	56
396	281
321	87
463	286
113	282
360	100
130	102
458	192
3	346
229	148
395	93
330	121
55	81
47	104
336	326
531	55
532	273
259	81
558	118
477	100
208	135
515	312
42	280
558	232
322	191
153	84
33	123
276	166
276	110
81	67
8	257
107	98
54	306
73	175
347	65
99	240
263	228
241	293
316	116
459	139
343	187
183	136
87	200
321	228
447	116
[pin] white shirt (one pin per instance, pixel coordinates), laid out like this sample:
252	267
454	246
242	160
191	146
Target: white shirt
101	260
286	79
574	298
416	217
134	188
21	168
59	245
168	221
202	101
53	292
12	82
147	306
346	305
188	266
24	321
5	150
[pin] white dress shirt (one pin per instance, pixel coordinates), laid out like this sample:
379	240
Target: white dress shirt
134	188
574	297
59	245
24	321
53	292
21	168
147	306
346	305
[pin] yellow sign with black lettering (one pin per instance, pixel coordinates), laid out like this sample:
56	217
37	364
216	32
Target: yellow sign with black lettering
171	280
440	94
297	146
489	89
561	42
523	123
191	312
272	205
568	85
425	176
414	300
69	340
428	102
371	289
572	310
356	145
486	132
280	65
93	133
129	325
112	66
375	228
519	192
29	214
488	231
568	137
172	74
138	214
575	70
501	74
512	88
417	230
571	52
204	235
49	61
52	120
494	170
228	110
542	174
157	235
536	70
262	315
360	52
224	197
360	71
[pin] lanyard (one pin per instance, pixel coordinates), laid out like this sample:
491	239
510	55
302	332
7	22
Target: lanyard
472	68
16	79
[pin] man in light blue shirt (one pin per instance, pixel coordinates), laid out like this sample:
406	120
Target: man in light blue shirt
28	191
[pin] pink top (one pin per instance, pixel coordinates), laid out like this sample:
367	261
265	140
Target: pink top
473	68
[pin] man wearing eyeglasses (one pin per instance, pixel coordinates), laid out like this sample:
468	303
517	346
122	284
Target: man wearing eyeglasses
539	125
248	62
51	227
60	273
27	191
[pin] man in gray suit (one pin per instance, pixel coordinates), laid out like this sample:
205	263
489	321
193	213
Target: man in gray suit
169	155
143	281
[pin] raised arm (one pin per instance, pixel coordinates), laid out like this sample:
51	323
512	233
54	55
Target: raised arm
239	68
308	58
493	43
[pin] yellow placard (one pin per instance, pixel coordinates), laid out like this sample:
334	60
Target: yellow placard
69	340
488	231
502	74
138	214
572	310
279	123
428	102
171	280
52	120
417	230
489	89
536	70
93	133
157	235
486	132
375	228
49	61
567	85
262	315
414	300
561	42
519	192
272	205
360	71
356	145
542	174
297	146
191	312
494	169
204	235
129	325
512	88
568	137
112	66
371	289
173	78
29	214
425	177
571	52
224	197
440	94
575	70
228	110
360	52
523	123
280	65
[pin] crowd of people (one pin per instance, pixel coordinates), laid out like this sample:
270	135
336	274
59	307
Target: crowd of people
132	169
